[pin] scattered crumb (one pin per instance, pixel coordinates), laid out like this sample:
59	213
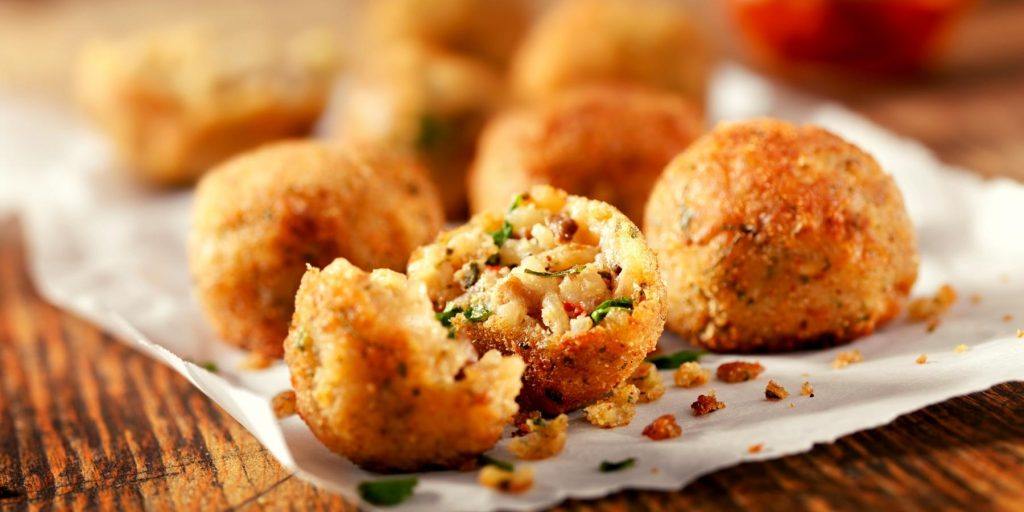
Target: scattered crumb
738	371
706	404
844	359
931	308
1007	318
806	389
755	448
256	361
921	359
516	481
616	410
655	471
691	375
522	421
283	404
663	427
975	298
775	391
961	348
1020	333
546	438
648	381
932	325
792	405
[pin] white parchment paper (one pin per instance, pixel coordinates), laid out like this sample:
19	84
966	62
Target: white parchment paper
115	253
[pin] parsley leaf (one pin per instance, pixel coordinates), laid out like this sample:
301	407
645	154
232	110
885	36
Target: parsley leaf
445	317
571	270
478	313
210	366
517	202
609	466
387	492
487	460
606	307
502	235
675	359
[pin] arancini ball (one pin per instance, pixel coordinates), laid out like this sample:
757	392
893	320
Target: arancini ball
425	104
378	381
647	42
603	142
776	237
565	282
261	217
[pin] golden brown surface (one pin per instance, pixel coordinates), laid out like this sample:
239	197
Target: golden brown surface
260	218
426	104
605	143
177	101
570	360
378	381
579	42
777	237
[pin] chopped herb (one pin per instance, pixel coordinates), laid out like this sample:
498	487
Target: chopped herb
517	202
486	460
572	270
391	491
445	317
606	307
676	359
432	134
470	277
210	366
502	235
609	466
494	259
300	339
477	313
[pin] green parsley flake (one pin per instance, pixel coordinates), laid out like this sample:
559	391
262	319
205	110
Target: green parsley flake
605	307
477	313
517	202
487	460
572	270
502	235
609	466
387	492
676	359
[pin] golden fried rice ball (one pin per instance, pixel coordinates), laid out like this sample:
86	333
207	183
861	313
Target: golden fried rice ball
605	143
426	104
177	102
648	42
378	381
261	217
487	30
566	282
776	237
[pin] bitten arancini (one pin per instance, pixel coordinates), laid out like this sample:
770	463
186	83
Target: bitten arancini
646	42
776	237
567	283
602	142
487	30
178	101
261	217
378	381
426	104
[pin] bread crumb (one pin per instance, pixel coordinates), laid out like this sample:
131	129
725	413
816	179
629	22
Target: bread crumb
775	391
648	382
616	410
1007	317
921	359
1020	333
545	438
516	481
283	404
691	375
844	359
806	389
738	371
931	308
755	448
663	427
961	348
256	361
706	404
792	405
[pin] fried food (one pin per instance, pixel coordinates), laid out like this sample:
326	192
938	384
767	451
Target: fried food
426	104
261	217
488	30
604	142
646	42
566	282
777	237
378	381
179	101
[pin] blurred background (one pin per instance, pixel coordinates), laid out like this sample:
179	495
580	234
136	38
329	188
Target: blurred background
919	67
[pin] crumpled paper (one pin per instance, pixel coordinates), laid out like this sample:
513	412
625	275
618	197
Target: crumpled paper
115	253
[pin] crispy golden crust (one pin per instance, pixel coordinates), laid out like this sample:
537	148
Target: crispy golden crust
377	380
426	104
488	30
177	102
777	237
570	360
259	218
606	143
580	42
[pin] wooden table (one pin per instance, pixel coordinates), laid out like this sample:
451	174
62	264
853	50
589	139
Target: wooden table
86	422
